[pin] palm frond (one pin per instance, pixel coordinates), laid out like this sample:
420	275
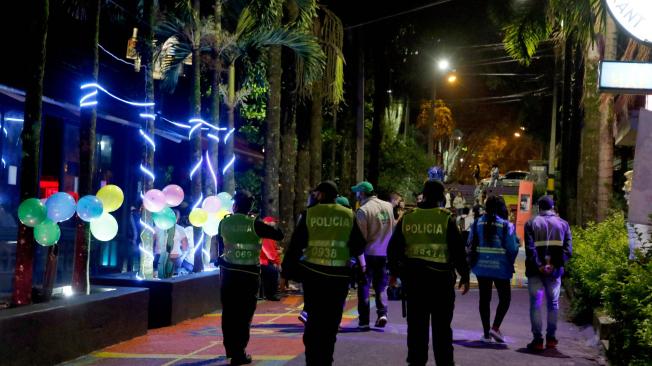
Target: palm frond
523	35
171	56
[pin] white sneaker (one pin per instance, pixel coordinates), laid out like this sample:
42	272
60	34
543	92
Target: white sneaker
381	322
495	334
486	339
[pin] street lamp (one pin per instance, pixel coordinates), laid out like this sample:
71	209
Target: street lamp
517	134
442	65
452	78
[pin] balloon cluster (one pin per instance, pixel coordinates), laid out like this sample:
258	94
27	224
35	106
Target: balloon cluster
159	203
212	211
44	215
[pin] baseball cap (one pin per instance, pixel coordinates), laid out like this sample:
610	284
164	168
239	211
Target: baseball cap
343	201
365	187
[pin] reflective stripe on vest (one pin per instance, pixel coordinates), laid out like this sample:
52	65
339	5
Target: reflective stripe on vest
329	228
548	243
425	234
491	250
241	244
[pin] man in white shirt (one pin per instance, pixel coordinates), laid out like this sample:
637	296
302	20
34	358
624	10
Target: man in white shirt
376	221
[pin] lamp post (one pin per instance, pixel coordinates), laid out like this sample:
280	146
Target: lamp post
442	65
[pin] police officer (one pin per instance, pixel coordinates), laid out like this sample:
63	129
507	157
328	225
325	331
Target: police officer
240	241
425	250
325	238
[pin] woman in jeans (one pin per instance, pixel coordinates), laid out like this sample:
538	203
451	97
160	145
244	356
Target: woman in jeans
492	249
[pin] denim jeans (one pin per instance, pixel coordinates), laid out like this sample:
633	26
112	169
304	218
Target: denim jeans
376	275
539	287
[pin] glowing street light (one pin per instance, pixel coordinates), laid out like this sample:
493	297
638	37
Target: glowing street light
443	65
517	134
452	78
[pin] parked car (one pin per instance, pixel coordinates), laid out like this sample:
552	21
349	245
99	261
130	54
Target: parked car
513	178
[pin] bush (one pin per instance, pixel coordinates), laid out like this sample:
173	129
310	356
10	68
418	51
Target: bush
601	276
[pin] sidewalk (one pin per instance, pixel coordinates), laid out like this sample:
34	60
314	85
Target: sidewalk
276	340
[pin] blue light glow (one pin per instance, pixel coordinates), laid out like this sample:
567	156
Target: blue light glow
146	252
228	165
12	119
4	163
193	129
148	116
148	139
194	169
87	104
146	227
98	86
211	136
210	168
199	120
88	96
226	138
201	198
114	56
199	243
182	125
148	172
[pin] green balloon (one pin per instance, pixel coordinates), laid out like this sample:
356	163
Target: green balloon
164	219
47	233
32	212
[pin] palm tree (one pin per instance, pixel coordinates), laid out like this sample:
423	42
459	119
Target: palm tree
585	24
31	137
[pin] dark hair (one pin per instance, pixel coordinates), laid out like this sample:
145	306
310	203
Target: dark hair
545	203
243	201
494	208
329	190
433	191
466	210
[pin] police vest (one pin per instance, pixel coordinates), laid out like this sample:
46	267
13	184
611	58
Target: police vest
241	244
329	228
425	234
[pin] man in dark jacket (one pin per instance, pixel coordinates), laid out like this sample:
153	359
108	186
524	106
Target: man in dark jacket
240	241
425	250
548	246
325	238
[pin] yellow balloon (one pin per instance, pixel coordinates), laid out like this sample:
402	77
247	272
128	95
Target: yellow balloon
111	197
198	217
221	214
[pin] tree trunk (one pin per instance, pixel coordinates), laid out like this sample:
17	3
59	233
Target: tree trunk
316	124
380	103
229	177
87	124
333	172
288	145
146	264
302	164
607	116
196	149
270	204
213	146
31	136
359	126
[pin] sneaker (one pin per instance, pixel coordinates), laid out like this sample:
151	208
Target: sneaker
551	342
536	345
363	327
242	360
303	317
381	322
495	334
486	339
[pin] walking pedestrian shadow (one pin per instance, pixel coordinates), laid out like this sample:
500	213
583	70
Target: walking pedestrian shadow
283	328
357	330
221	360
479	344
548	352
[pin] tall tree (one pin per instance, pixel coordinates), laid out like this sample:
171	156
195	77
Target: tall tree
31	137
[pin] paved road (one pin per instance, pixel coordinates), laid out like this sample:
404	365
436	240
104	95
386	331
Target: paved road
276	340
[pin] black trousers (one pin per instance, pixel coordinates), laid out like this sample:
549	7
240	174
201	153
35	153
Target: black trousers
269	276
376	275
324	297
504	298
239	296
430	302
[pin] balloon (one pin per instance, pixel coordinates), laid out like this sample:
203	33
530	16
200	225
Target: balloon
212	204
47	233
154	200
111	197
164	219
221	214
173	195
198	217
105	227
211	226
225	198
89	208
32	212
61	206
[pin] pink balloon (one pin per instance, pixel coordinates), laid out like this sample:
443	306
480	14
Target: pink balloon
173	195
212	204
154	200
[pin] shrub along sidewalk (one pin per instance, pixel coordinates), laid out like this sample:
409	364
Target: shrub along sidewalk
601	276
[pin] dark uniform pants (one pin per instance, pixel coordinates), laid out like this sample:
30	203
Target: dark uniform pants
430	302
325	296
239	294
376	275
269	275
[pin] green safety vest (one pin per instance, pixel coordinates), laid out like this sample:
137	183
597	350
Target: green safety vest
425	234
329	228
241	244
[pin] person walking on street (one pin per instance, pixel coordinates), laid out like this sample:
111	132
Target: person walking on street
476	174
548	246
375	218
495	176
492	250
239	240
425	250
325	238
